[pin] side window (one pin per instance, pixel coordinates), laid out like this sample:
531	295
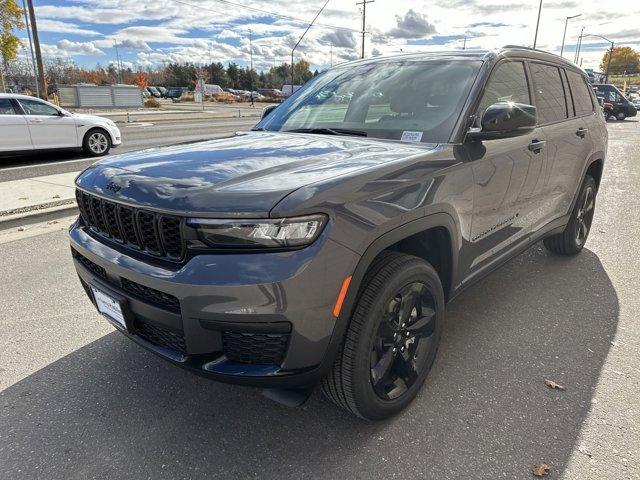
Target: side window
6	107
549	93
581	94
508	83
33	107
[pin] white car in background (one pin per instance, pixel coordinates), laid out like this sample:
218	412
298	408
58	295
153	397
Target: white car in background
28	124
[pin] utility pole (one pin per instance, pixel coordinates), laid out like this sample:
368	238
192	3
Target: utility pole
33	58
364	20
577	54
535	39
38	52
464	44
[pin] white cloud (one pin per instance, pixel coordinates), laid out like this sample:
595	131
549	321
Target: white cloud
56	26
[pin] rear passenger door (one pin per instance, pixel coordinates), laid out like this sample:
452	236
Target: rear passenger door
14	131
566	145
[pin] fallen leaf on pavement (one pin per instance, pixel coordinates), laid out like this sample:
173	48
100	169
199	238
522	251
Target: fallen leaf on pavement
22	229
541	469
553	385
584	450
56	196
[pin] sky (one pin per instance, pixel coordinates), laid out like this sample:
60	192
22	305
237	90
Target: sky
150	33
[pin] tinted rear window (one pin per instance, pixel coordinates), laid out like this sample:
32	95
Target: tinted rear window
549	93
6	107
581	94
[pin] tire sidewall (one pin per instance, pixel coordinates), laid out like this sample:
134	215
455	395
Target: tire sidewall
85	142
588	182
368	402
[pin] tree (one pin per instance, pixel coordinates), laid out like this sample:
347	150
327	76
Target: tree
624	59
233	73
218	75
10	19
141	80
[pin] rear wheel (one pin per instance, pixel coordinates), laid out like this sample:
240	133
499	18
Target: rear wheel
574	236
392	338
96	143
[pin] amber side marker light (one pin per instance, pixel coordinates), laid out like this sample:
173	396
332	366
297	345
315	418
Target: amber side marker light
343	293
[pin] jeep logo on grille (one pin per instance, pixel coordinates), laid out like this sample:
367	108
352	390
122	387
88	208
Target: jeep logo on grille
114	187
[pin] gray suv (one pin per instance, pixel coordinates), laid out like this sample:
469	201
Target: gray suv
323	246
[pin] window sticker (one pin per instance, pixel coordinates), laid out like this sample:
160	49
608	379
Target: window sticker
408	136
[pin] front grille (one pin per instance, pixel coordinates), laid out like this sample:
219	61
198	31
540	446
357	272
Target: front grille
94	268
161	336
154	233
151	295
255	348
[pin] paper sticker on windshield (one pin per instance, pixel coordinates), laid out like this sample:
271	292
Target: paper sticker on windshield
408	136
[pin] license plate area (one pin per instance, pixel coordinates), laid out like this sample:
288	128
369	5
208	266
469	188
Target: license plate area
114	307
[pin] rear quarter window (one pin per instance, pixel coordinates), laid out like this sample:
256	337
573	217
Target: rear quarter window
581	93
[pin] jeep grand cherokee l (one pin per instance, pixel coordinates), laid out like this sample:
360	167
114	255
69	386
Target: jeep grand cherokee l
322	246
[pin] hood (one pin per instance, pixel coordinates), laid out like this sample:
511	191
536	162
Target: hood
245	175
90	118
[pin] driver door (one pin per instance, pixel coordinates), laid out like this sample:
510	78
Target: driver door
508	175
48	128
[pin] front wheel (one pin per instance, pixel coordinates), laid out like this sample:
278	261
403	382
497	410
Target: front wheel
392	338
96	143
572	239
620	116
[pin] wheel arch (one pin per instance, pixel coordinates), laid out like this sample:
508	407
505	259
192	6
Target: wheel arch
594	169
434	238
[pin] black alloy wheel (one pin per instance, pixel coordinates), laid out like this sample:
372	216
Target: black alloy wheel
403	339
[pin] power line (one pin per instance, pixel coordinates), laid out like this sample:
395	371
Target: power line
266	12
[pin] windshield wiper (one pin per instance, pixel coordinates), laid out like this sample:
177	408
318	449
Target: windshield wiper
329	131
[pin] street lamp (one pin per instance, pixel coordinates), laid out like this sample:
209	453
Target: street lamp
606	77
535	39
564	35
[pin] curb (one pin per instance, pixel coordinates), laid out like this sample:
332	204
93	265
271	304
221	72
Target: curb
37	213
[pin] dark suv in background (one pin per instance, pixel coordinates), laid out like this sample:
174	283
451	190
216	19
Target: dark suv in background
322	246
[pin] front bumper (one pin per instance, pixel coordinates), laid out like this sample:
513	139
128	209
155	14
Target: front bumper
261	319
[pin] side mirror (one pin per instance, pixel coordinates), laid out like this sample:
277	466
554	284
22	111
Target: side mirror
267	110
505	120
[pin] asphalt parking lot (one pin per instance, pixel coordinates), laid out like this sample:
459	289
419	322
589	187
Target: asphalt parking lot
79	401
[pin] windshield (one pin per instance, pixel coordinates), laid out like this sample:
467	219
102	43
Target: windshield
417	101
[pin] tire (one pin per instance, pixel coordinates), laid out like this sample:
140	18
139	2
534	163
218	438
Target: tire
620	116
572	239
384	361
96	142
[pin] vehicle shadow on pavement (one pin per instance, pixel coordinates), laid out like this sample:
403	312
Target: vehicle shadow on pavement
113	410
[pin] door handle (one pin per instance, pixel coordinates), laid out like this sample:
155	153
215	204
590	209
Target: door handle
536	145
35	120
582	132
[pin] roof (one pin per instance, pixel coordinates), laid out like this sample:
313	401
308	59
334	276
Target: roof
477	54
17	95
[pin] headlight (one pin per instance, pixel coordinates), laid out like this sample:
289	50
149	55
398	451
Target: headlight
257	234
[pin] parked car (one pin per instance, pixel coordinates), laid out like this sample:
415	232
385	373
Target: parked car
323	247
163	91
154	92
271	93
28	124
175	93
622	108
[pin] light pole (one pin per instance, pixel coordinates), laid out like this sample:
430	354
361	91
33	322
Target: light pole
300	39
564	35
606	75
535	38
